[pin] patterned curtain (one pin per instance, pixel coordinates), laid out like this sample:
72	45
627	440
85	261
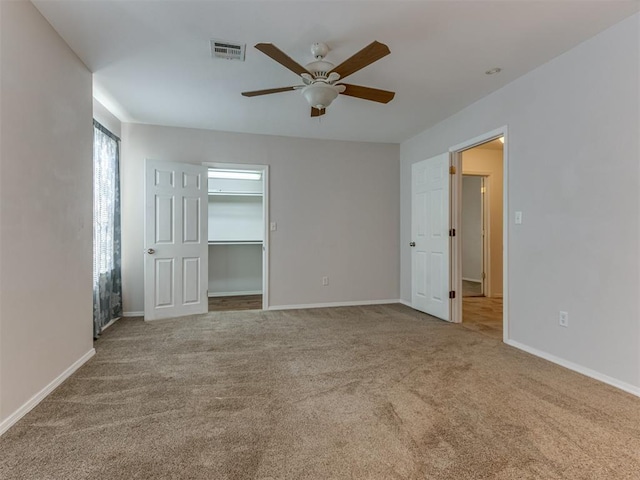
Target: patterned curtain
107	283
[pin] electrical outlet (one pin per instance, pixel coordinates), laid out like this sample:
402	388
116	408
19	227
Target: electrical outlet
563	319
325	281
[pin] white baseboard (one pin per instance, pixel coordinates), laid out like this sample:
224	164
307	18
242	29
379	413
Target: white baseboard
234	294
333	304
133	314
406	302
475	280
111	323
627	387
8	422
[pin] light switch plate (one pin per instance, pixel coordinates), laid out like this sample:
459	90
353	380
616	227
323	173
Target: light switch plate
518	218
273	226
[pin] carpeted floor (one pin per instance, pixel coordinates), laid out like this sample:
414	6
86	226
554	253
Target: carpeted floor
376	392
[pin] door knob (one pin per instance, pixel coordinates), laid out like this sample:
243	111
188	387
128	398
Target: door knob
412	244
151	251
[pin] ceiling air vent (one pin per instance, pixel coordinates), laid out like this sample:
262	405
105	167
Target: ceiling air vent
228	50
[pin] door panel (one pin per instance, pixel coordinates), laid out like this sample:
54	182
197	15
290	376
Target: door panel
430	232
165	219
175	240
191	216
190	282
164	282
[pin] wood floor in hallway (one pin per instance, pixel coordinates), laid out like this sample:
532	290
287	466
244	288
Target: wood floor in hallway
483	314
236	302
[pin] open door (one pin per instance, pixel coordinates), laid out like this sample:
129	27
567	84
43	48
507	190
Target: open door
430	236
175	233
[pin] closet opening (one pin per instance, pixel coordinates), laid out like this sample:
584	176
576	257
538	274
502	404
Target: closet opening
237	219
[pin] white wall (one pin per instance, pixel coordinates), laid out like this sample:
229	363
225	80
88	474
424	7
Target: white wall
471	228
573	152
235	269
336	205
45	207
235	218
484	160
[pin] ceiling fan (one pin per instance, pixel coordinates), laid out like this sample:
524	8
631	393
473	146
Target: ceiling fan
322	80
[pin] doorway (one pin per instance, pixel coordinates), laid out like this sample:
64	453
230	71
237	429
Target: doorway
472	231
436	240
236	237
479	245
178	236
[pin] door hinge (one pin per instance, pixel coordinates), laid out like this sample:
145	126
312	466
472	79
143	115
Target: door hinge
452	170
452	294
452	232
484	275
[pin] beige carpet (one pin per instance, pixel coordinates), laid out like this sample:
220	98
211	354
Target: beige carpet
377	392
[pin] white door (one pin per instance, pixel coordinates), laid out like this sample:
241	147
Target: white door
430	236
175	234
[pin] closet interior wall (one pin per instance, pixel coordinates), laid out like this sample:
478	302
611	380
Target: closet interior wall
236	235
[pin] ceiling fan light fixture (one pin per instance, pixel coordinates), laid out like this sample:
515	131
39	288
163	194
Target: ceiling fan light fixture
320	77
320	95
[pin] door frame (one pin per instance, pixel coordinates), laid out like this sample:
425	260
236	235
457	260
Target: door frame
265	215
456	211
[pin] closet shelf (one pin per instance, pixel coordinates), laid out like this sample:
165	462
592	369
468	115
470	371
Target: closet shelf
235	242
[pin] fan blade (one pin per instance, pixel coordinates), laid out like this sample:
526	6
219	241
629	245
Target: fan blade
369	54
316	112
368	93
255	93
270	50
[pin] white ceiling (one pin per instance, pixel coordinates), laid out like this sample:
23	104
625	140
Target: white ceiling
152	64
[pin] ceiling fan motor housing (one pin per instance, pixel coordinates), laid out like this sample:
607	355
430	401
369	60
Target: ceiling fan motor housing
320	69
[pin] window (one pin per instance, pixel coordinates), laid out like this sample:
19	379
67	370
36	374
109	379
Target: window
107	292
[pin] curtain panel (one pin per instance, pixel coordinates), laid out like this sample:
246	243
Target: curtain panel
107	280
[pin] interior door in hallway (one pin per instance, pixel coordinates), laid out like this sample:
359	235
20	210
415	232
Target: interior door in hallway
430	218
175	233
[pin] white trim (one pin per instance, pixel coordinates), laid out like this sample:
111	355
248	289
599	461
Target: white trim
113	320
8	422
265	216
234	294
627	387
480	139
406	303
133	314
474	280
335	304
